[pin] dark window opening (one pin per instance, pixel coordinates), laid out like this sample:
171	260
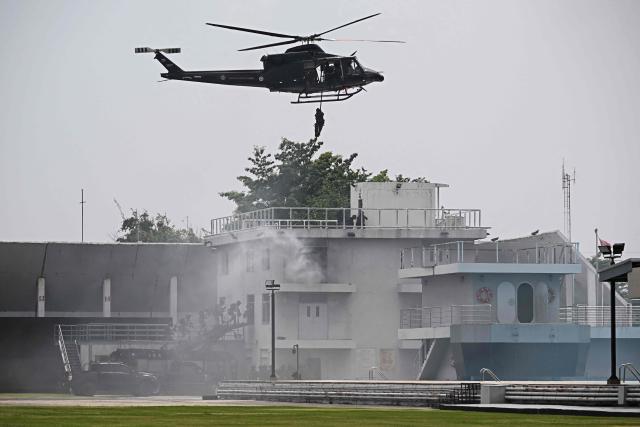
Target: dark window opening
266	307
525	303
250	313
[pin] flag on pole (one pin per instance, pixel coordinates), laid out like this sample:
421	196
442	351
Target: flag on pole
604	242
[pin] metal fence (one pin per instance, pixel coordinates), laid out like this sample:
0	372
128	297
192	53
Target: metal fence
460	251
347	218
115	332
431	317
600	315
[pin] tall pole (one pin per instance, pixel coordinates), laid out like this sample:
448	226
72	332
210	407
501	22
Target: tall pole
272	286
297	361
613	379
82	202
273	335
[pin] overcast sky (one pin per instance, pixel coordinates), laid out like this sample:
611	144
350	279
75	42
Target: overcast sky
487	96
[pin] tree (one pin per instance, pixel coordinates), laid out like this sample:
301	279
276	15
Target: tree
297	175
144	228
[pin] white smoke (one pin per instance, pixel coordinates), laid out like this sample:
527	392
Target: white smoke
302	262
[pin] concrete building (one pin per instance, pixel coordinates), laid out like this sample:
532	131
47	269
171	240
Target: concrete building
399	287
109	296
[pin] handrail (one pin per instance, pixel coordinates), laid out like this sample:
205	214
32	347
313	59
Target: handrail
471	252
623	368
63	353
347	218
430	317
600	315
490	373
116	332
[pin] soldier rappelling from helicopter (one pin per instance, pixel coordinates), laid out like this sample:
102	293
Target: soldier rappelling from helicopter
319	122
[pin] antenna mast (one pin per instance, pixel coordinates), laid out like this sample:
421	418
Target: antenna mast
566	189
82	202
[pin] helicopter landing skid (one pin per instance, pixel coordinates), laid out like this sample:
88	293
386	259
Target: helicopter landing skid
340	95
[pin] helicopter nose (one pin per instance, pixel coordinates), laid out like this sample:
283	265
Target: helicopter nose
379	77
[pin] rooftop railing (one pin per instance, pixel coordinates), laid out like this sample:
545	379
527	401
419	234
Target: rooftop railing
600	315
459	252
346	218
431	317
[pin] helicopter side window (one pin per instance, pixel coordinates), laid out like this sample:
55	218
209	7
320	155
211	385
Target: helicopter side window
331	71
319	74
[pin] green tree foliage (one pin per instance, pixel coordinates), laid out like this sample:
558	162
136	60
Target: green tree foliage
299	175
144	228
296	176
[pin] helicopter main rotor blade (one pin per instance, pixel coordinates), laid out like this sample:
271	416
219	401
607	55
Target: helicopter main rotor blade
364	40
249	30
268	45
342	26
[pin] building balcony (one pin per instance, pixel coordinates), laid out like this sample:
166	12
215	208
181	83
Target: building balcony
318	287
462	257
358	222
600	315
319	344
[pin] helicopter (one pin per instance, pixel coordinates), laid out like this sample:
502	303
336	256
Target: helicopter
314	75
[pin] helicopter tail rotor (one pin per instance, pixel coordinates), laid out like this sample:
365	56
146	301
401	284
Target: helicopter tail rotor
165	50
171	67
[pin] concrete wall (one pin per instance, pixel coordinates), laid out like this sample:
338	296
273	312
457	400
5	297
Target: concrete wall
396	195
73	273
369	316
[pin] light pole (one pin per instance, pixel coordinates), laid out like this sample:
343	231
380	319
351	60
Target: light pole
612	253
296	350
272	286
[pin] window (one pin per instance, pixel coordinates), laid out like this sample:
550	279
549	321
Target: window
224	263
266	309
266	259
250	260
308	311
317	311
250	313
525	303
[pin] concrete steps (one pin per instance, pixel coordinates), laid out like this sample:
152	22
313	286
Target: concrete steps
562	394
357	392
633	394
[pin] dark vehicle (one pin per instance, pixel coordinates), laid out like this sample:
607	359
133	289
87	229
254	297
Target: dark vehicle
113	378
306	70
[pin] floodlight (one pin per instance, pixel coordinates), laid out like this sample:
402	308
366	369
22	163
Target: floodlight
618	248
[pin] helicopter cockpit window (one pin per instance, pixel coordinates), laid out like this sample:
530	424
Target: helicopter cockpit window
351	67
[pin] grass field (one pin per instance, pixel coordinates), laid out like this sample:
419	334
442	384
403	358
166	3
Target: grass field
279	416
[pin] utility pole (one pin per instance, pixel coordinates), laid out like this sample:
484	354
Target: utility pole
82	202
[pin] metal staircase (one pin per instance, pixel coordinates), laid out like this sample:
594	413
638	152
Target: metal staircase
70	355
